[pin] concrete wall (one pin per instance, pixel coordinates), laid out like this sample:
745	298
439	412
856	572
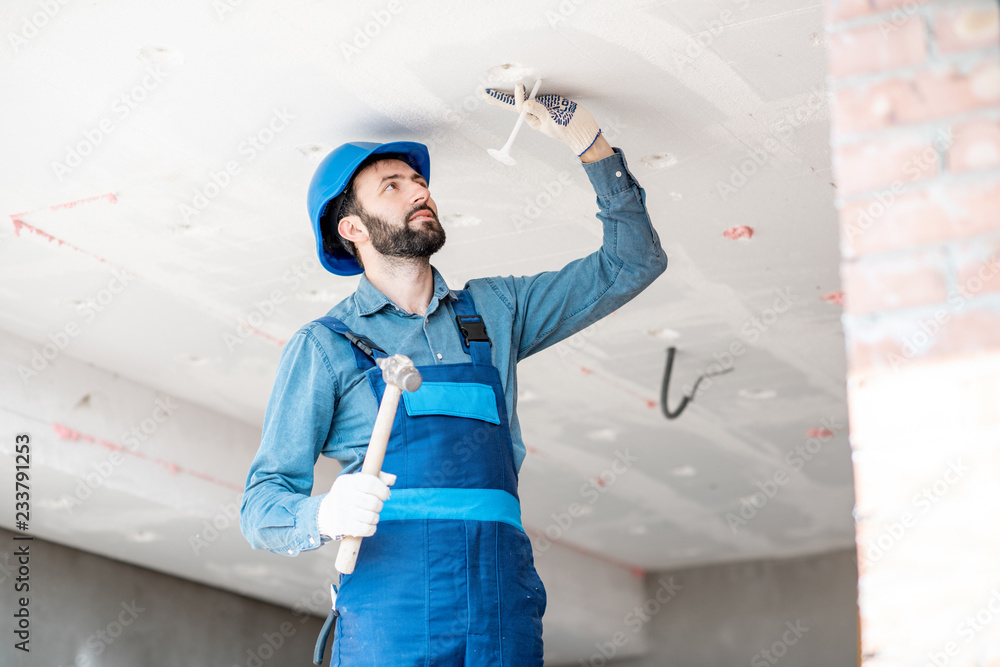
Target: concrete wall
87	610
802	611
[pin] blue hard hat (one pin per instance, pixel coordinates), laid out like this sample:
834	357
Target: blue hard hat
330	181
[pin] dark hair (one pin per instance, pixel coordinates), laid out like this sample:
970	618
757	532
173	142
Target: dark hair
347	203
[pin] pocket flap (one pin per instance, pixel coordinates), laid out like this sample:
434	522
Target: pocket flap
457	399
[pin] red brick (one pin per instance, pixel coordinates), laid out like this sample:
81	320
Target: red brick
978	268
923	383
898	282
975	146
878	47
960	29
842	10
957	333
873	165
928	95
930	215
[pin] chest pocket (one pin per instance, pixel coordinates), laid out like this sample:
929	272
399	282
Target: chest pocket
471	400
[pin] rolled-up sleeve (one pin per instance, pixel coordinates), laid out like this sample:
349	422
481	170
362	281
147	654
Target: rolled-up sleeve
277	513
551	306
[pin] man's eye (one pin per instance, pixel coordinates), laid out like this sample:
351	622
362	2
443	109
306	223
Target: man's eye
390	185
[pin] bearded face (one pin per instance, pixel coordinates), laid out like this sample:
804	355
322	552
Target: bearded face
417	235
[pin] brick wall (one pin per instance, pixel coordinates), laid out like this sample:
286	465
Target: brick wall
915	87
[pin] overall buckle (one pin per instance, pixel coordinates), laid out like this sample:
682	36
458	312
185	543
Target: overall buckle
473	329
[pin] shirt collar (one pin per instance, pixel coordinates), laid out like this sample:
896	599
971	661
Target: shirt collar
368	300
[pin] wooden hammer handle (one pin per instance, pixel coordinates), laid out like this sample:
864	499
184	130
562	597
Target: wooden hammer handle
350	546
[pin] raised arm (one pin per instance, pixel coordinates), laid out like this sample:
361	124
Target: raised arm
551	306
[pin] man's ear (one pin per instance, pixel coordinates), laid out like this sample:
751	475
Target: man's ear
351	228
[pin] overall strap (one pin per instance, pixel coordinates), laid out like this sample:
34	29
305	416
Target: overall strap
365	351
472	329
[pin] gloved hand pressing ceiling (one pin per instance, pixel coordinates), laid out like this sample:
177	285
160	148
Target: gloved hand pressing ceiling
552	115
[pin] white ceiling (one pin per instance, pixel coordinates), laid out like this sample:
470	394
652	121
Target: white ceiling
200	82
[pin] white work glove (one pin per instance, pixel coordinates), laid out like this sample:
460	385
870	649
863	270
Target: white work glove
353	504
552	115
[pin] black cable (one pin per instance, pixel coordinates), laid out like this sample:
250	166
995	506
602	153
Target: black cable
665	387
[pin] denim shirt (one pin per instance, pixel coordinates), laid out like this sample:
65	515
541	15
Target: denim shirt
322	404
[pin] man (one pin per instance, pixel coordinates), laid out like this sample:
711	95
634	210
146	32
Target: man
448	577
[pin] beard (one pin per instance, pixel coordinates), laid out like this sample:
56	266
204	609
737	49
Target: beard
402	240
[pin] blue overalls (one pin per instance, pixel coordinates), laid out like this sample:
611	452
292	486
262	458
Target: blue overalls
448	578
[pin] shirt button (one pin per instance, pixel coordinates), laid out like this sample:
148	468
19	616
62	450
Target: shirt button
439	355
618	174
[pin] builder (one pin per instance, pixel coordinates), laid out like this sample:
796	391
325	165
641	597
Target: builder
448	578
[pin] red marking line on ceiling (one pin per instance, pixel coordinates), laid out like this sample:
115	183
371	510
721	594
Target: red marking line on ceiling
19	224
66	433
741	232
834	297
112	198
819	433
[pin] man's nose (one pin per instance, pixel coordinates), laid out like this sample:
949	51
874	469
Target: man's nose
419	194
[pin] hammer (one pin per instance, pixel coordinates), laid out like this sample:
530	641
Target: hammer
399	375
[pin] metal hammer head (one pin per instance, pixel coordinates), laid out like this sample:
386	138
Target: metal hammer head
399	370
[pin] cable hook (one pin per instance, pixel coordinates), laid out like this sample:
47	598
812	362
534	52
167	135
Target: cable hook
665	387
